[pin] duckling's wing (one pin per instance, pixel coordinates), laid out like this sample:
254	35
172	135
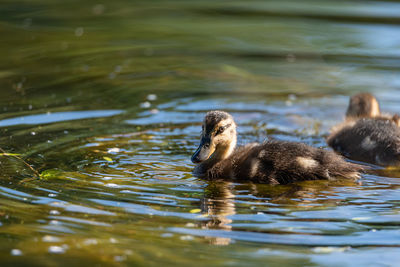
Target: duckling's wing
285	162
370	140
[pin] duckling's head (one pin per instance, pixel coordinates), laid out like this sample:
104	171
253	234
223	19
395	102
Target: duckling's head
363	105
218	137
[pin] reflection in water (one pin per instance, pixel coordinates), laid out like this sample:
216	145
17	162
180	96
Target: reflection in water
58	116
218	203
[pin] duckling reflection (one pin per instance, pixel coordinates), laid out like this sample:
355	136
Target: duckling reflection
218	203
272	162
367	134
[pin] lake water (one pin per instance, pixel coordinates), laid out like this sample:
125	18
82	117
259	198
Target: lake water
105	102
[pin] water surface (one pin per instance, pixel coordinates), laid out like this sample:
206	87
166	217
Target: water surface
105	101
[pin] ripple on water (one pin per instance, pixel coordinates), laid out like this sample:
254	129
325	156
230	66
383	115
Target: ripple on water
52	117
138	186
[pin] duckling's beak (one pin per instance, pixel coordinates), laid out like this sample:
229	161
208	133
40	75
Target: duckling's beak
203	152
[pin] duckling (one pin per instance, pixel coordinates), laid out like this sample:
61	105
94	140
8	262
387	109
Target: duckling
367	135
363	105
272	162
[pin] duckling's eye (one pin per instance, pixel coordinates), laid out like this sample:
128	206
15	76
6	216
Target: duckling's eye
220	130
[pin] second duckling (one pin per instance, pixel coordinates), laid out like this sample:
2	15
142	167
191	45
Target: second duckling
367	134
272	162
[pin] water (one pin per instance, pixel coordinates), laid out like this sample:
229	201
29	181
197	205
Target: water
105	101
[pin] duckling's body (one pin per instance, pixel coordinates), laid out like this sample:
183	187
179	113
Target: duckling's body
272	162
370	136
372	140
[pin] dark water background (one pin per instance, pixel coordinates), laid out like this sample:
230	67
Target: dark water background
105	101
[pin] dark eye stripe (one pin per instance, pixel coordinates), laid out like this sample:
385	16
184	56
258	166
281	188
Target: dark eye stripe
222	129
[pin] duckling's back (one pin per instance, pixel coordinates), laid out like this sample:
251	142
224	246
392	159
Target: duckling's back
373	140
280	162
